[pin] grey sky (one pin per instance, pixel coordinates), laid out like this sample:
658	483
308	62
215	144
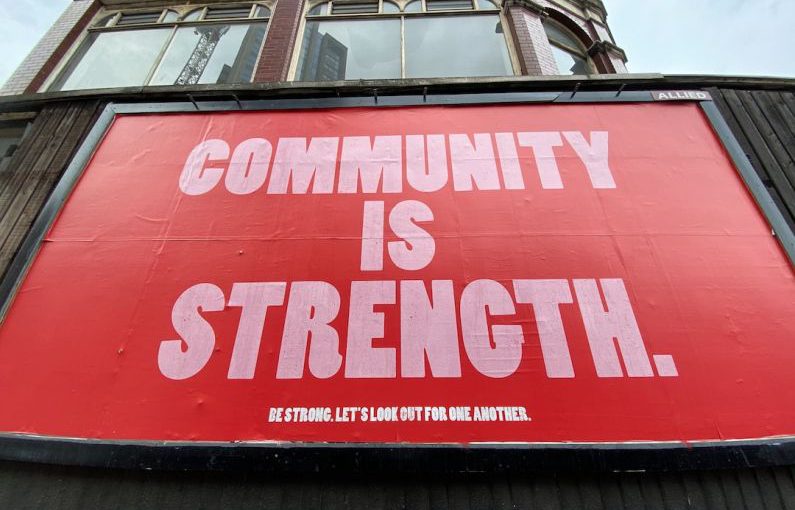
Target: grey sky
22	23
742	37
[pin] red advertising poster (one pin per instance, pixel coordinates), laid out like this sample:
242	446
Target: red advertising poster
525	273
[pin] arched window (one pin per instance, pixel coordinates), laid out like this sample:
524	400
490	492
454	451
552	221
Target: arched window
175	46
350	40
570	54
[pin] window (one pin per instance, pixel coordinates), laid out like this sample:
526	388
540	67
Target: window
351	40
216	44
11	134
570	55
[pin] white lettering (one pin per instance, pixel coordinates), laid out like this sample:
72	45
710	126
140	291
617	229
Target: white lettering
617	322
254	298
497	354
195	332
311	308
361	358
195	179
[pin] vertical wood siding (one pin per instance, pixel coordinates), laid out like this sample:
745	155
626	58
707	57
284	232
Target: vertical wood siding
36	167
28	486
764	124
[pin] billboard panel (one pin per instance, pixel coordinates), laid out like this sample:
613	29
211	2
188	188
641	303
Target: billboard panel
523	273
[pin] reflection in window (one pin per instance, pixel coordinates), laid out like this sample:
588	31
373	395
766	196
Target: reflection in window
232	59
158	48
455	46
350	50
114	59
570	55
382	42
570	63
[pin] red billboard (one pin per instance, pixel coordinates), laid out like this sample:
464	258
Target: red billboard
468	274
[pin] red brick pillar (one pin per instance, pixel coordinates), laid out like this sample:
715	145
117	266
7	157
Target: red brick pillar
530	39
274	62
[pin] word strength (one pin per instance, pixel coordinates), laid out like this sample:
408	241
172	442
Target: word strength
430	329
397	414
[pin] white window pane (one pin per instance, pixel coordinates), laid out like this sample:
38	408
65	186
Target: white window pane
389	7
114	59
456	46
170	16
486	5
350	50
560	35
193	15
262	12
211	54
568	63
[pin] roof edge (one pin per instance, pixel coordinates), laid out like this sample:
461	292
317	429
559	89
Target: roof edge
277	90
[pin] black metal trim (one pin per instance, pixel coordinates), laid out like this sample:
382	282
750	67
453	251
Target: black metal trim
30	246
353	458
761	195
387	101
371	459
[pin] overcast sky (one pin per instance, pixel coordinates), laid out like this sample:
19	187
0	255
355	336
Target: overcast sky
22	23
741	37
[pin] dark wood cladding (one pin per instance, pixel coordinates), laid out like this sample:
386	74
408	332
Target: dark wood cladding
764	123
36	167
29	486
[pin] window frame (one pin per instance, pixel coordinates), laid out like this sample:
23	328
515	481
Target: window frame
402	15
113	16
580	50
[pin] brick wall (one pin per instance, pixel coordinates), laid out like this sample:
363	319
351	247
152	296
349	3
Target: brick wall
32	72
274	63
531	41
532	45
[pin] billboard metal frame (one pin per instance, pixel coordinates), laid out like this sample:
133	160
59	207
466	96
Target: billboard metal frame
371	458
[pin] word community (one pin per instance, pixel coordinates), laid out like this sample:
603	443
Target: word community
362	164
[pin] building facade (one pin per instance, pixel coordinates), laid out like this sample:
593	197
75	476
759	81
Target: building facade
398	254
216	44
